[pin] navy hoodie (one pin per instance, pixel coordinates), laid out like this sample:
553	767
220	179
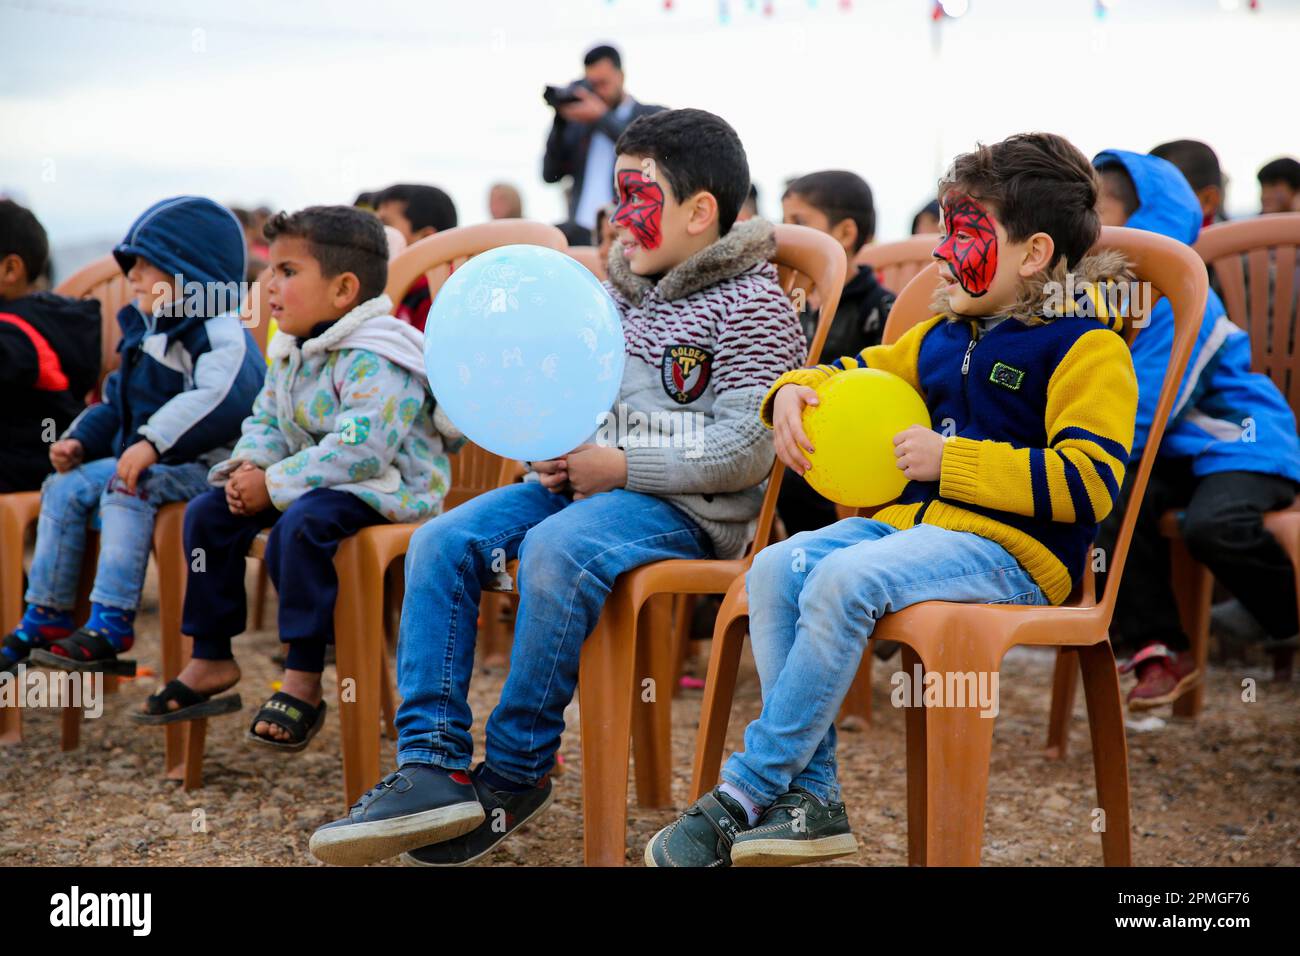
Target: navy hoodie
189	373
1226	417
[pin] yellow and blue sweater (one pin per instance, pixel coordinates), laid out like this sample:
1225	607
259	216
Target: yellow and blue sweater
1041	418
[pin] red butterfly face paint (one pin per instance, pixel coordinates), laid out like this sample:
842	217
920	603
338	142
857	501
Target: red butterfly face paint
640	207
970	246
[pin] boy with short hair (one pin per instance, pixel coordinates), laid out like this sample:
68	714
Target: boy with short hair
49	350
1229	455
1199	165
1279	185
1000	511
342	436
416	211
188	372
707	330
839	203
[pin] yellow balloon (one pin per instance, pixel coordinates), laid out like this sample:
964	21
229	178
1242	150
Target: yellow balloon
853	432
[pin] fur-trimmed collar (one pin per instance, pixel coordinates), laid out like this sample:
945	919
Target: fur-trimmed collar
1106	266
747	244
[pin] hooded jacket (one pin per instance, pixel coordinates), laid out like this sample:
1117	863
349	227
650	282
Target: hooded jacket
349	409
703	343
1226	417
1039	417
50	353
189	370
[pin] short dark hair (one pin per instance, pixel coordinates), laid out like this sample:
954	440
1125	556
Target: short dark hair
1036	182
697	151
1281	170
1116	181
342	239
425	205
1195	160
603	52
932	209
22	235
840	195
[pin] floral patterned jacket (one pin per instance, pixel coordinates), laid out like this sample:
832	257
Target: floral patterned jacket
350	409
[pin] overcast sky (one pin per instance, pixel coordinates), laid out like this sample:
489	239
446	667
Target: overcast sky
106	107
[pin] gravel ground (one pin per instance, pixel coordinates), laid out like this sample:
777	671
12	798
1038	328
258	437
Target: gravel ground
1217	791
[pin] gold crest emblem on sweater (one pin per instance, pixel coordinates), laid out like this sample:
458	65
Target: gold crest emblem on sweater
686	371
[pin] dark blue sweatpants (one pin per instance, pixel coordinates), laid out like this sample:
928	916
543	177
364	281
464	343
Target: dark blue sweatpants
299	558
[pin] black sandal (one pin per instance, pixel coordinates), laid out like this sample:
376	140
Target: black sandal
299	718
193	705
83	651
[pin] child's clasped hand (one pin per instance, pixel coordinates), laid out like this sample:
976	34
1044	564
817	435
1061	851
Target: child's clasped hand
246	492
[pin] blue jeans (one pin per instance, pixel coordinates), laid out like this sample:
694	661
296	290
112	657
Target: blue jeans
570	553
814	599
69	505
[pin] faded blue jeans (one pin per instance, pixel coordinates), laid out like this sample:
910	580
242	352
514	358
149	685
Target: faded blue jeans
814	599
570	553
69	505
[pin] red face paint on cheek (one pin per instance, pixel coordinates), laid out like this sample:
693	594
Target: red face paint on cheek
971	245
640	207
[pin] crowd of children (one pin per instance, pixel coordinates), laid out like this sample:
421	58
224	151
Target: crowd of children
337	430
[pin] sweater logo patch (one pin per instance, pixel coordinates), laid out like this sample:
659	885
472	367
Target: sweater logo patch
686	371
1006	376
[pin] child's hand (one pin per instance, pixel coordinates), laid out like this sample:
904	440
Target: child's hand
919	451
133	463
246	492
596	468
554	474
787	423
66	454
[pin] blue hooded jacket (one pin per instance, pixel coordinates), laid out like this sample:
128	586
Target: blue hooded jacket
1226	417
190	371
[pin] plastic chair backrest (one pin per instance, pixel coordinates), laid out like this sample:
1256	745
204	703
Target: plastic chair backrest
1175	271
1254	262
897	262
104	280
589	256
473	470
806	261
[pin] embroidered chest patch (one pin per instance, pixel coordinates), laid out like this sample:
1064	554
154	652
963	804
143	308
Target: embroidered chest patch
686	370
1006	376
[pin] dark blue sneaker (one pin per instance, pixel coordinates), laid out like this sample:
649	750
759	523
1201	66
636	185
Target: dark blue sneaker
505	811
407	809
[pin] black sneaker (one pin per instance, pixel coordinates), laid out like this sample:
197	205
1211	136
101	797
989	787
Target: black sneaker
702	836
406	809
798	828
504	812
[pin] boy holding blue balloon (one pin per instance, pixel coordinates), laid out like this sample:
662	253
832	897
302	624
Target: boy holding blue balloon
343	435
1037	402
706	332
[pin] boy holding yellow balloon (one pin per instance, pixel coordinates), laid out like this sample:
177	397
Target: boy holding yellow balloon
1036	411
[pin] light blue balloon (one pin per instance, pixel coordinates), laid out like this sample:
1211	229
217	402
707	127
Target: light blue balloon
524	349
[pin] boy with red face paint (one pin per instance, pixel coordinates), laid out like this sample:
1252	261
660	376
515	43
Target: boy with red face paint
1036	413
675	471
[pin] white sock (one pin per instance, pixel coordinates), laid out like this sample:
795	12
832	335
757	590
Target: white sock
752	810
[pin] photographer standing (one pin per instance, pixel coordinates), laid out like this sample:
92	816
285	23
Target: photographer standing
590	115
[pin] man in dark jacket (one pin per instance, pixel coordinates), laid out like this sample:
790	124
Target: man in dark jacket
49	351
581	144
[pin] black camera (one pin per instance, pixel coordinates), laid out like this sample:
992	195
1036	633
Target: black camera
557	96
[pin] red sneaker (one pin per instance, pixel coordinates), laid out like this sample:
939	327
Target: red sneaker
1163	676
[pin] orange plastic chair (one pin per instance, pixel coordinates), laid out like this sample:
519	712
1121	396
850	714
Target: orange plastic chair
363	559
896	263
1255	262
628	643
102	280
948	747
589	256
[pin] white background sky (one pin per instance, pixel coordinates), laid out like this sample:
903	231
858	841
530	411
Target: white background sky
108	106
